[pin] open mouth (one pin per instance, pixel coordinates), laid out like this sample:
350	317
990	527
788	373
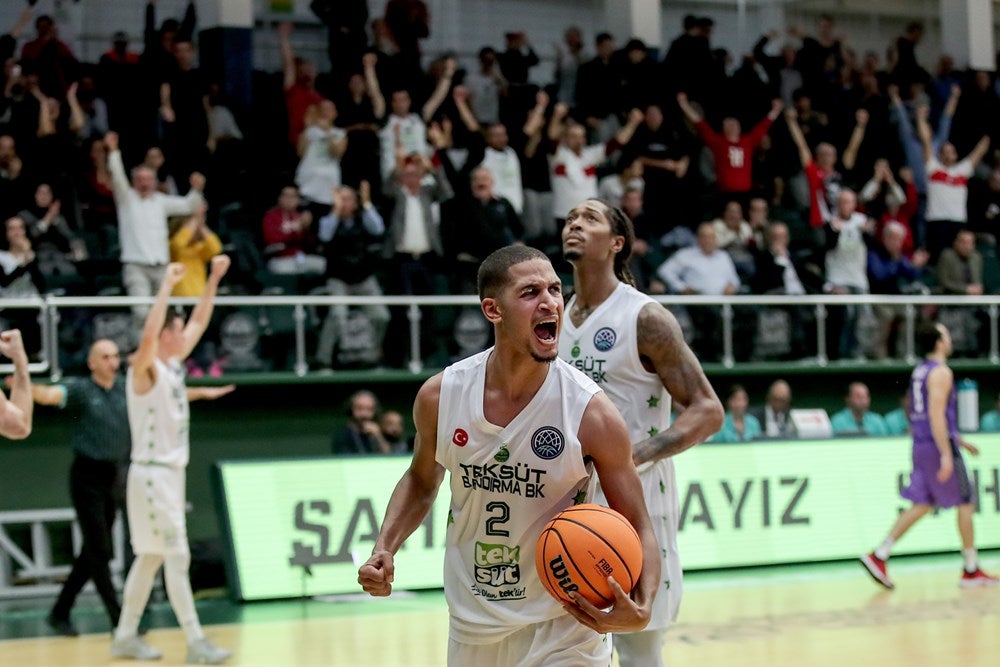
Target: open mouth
546	331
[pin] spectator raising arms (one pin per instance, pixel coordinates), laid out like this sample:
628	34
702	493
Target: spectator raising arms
732	148
947	185
320	146
142	222
574	163
299	84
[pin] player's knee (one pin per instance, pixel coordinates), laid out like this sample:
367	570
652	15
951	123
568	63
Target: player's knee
178	563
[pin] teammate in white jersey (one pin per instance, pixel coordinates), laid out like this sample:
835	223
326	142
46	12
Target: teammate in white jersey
158	415
517	429
633	348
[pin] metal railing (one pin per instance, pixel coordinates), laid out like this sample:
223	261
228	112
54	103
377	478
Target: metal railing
50	306
28	571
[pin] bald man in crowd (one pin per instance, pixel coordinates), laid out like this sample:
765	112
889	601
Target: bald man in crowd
775	417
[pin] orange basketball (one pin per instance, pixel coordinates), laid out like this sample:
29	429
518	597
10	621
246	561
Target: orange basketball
581	547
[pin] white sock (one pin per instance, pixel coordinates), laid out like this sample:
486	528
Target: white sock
180	596
885	549
971	559
135	595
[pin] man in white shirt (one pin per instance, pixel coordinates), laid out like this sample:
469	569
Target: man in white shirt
142	223
573	164
775	417
403	129
413	242
485	87
947	186
846	271
502	162
702	269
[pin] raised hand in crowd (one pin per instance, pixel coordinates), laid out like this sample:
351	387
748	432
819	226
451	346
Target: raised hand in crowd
218	267
635	117
197	181
437	137
777	105
460	94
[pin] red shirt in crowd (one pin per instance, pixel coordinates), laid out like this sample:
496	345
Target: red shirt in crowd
283	228
903	216
819	196
298	98
733	163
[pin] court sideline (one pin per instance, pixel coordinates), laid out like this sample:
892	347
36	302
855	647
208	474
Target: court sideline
826	615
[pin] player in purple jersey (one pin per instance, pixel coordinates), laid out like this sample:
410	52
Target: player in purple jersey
939	477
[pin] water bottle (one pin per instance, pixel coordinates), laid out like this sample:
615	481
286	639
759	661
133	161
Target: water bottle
968	406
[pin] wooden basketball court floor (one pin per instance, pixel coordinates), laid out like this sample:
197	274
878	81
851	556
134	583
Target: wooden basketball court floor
828	615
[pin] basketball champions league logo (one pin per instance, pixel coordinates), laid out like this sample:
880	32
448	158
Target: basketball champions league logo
548	443
605	339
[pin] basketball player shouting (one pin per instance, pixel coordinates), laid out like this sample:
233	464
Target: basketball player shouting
158	415
516	427
633	348
939	477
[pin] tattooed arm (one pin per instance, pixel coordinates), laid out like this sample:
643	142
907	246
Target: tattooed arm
663	351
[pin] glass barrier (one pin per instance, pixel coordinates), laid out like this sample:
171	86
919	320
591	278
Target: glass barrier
286	333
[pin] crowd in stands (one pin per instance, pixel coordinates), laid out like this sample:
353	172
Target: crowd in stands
773	420
369	429
806	168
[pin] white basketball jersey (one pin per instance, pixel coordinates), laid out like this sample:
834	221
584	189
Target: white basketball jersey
506	483
159	418
605	348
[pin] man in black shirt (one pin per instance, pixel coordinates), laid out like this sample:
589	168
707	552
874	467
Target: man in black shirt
183	113
352	237
598	90
361	434
665	160
474	224
101	446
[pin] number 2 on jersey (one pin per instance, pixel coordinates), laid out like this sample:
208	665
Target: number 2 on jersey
500	514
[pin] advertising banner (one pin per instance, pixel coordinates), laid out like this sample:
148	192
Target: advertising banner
303	527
